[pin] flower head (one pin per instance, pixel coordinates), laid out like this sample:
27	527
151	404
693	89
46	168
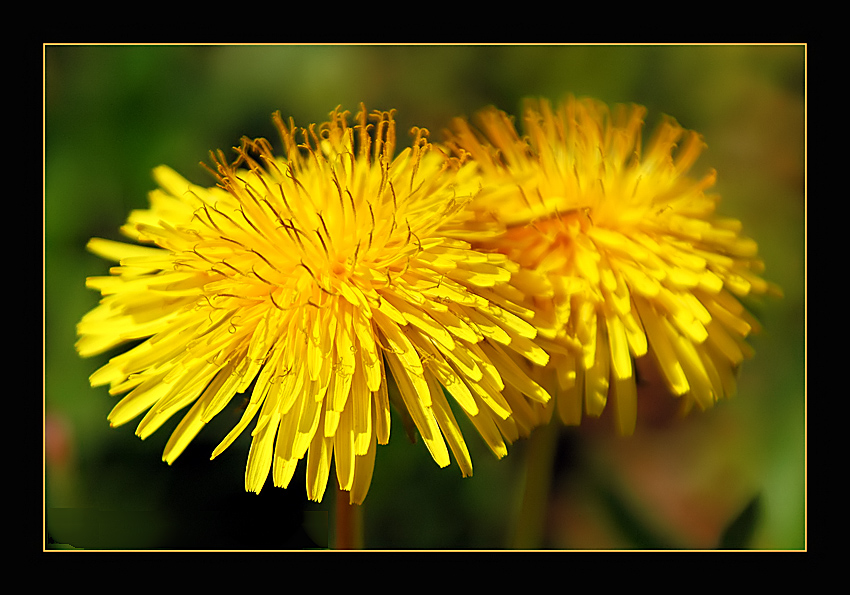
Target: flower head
321	282
622	253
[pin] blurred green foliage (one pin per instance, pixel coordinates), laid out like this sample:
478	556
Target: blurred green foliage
112	113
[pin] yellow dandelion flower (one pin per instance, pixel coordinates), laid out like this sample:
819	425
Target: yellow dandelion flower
622	253
310	280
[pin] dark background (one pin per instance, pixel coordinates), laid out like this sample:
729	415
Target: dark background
734	476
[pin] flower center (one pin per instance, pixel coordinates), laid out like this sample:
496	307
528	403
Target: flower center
338	269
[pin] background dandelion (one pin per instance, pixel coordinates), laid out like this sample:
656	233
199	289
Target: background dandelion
114	113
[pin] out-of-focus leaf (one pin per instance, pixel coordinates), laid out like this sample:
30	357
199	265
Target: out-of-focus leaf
738	535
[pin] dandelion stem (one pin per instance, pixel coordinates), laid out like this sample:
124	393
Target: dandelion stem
530	530
349	523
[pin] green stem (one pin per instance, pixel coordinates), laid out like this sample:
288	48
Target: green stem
530	530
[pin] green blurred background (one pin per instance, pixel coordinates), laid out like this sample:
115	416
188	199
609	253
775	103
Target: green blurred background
733	477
